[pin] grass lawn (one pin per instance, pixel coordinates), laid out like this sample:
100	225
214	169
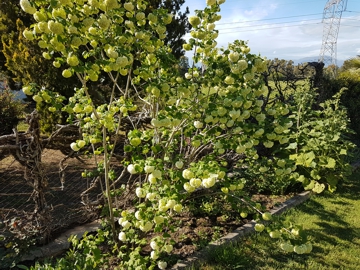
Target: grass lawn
332	221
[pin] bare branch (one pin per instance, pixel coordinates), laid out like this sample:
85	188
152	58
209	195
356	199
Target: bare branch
9	147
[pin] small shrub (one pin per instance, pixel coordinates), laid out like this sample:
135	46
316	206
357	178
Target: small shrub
11	111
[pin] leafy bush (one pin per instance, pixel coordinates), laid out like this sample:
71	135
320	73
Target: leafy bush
351	100
17	236
349	78
182	134
314	148
11	111
83	254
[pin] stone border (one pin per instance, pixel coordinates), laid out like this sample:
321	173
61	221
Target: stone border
61	244
239	233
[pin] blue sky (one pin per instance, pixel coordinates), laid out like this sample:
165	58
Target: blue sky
286	29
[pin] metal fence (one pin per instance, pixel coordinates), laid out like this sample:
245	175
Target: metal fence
64	194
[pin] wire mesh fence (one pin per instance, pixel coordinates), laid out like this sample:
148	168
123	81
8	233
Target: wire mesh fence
64	194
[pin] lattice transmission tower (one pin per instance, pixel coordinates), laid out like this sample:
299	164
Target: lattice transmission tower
331	21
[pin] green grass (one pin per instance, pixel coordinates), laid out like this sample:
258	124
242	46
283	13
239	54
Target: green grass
331	220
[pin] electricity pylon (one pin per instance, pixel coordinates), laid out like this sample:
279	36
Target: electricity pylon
331	20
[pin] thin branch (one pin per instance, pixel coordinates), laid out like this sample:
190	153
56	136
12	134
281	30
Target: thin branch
9	147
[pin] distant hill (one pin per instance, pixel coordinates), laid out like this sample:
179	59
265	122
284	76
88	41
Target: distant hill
315	59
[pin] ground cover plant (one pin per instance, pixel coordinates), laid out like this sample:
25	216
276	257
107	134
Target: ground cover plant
177	137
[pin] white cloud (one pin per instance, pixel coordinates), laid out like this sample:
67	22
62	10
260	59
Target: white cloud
276	38
259	11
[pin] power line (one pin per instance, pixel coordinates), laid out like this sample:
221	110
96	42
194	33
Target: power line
347	19
352	25
282	4
275	27
263	26
268	28
257	25
278	18
272	18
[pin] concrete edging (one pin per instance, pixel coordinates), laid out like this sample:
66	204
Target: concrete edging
61	244
239	233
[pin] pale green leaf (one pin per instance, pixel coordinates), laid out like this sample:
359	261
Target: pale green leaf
336	138
343	152
315	174
301	178
318	188
331	163
310	186
315	133
292	146
332	188
306	159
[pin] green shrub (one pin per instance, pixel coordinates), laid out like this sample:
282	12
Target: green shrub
84	254
11	111
349	99
315	152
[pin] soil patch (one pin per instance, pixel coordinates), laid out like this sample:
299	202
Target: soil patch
195	232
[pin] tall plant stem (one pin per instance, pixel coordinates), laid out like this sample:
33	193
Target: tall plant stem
107	185
106	160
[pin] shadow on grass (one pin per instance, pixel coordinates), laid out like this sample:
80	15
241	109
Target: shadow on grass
329	232
336	241
258	252
333	235
315	208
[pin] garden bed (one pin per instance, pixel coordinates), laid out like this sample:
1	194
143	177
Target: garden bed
196	233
